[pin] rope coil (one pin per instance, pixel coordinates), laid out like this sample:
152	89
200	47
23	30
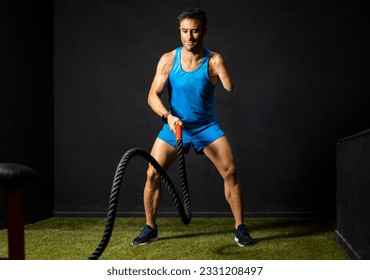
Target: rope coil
184	211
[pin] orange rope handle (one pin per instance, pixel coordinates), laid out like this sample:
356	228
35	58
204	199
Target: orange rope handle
178	132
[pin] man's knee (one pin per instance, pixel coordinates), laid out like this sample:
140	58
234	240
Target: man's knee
152	175
229	172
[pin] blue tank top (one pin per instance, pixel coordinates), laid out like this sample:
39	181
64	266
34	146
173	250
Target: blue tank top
191	93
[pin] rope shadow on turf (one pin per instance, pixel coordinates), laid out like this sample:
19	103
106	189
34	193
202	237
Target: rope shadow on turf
192	235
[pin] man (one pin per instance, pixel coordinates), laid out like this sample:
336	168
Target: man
191	73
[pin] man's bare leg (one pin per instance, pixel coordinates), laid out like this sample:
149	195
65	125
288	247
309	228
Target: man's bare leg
165	154
220	153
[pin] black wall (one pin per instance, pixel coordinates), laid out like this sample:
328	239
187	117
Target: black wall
26	99
300	70
353	208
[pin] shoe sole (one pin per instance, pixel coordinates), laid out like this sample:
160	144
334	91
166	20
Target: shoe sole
144	243
239	244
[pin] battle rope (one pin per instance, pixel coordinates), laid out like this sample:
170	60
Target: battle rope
184	212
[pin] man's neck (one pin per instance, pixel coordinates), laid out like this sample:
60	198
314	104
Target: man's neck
194	55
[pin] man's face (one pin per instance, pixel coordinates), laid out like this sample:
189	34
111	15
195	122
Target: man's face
192	34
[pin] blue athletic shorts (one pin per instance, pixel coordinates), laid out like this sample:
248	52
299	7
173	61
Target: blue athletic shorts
199	136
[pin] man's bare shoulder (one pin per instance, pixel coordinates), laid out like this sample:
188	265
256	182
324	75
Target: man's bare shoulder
168	58
165	62
215	58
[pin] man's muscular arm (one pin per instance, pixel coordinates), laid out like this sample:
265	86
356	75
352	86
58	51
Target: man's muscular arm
158	84
160	79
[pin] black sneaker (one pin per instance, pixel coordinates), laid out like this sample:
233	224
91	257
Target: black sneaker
147	235
242	237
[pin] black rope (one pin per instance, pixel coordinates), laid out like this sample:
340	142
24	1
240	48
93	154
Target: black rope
184	213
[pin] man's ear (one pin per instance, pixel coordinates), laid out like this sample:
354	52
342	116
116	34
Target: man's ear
205	29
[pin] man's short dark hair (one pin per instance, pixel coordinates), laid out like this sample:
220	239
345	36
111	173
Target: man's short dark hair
197	14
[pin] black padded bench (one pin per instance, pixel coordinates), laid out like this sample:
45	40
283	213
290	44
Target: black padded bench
12	178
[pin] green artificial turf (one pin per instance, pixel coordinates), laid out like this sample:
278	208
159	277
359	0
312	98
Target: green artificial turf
203	239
